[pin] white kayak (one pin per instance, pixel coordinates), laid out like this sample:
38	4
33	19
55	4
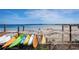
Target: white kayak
5	39
31	39
11	34
2	37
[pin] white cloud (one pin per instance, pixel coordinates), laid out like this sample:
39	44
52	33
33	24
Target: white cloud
50	17
44	16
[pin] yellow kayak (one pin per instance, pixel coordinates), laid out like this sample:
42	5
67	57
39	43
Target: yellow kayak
27	40
43	39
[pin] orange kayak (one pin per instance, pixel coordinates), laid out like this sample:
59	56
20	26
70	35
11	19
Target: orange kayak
10	41
35	41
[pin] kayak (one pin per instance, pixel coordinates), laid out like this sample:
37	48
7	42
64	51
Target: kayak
10	41
1	34
31	39
35	41
3	37
5	40
17	41
43	39
26	40
23	39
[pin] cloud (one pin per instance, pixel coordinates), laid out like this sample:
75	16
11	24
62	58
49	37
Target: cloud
41	16
52	16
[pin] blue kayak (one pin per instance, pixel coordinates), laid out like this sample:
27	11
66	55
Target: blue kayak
23	39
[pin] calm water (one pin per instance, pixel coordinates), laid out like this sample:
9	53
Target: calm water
11	27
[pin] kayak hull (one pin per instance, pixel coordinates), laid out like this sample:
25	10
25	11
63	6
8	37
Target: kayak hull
26	40
5	40
9	42
35	41
17	41
43	40
23	39
31	39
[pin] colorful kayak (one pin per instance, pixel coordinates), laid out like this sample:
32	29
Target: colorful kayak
43	40
35	41
5	39
1	34
27	39
2	37
17	41
23	39
10	41
31	39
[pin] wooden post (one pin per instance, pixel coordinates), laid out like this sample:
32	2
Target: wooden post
70	36
23	27
18	30
4	28
62	32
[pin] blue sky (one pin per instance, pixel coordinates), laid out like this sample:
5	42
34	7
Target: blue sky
39	16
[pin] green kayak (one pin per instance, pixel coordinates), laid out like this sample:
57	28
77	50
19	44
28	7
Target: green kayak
17	41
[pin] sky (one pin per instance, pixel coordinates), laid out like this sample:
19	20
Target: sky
39	16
